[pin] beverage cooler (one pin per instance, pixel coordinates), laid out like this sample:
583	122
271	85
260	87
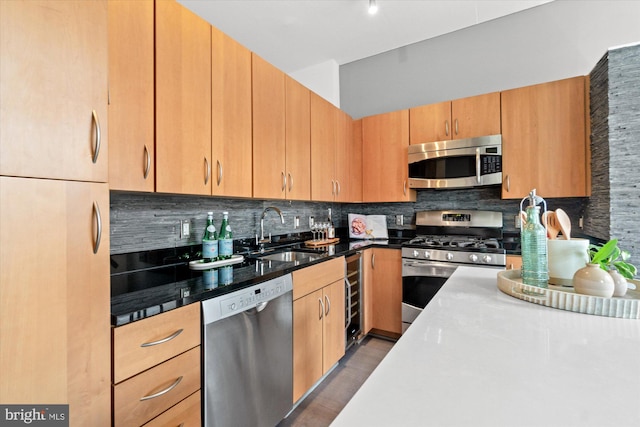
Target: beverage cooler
353	299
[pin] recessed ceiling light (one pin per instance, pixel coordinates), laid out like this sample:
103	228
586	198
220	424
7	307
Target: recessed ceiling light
373	7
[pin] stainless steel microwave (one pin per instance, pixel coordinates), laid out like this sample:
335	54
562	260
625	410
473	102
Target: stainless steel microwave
460	163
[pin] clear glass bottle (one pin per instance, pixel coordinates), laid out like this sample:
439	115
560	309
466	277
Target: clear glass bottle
331	231
210	240
225	239
533	241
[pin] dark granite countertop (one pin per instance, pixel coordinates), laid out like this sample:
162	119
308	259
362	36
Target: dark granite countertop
152	282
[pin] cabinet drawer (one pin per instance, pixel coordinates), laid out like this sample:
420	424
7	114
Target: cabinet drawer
312	278
177	378
140	345
185	414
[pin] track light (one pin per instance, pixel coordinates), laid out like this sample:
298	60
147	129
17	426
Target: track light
373	7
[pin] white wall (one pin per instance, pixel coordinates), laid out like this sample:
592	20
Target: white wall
550	42
323	79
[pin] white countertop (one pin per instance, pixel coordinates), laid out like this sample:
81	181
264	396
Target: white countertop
478	357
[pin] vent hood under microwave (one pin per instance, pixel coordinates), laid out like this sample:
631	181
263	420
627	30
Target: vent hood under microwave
458	163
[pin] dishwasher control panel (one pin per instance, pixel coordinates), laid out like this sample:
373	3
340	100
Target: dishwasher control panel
251	297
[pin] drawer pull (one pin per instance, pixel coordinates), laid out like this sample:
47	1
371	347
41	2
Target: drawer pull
160	393
163	340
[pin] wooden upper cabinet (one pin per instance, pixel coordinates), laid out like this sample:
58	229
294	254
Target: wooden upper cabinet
323	146
298	140
430	123
385	140
183	101
269	168
53	91
231	116
544	142
355	162
131	97
461	118
54	314
346	156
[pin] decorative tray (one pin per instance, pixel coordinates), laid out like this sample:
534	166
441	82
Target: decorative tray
201	265
324	242
564	298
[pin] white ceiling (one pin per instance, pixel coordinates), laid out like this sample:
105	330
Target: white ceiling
296	34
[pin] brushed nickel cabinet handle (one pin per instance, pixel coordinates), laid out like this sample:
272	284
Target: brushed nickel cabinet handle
163	340
160	393
338	188
321	308
328	308
290	182
147	163
333	188
508	183
219	172
207	171
456	126
284	181
96	150
96	214
404	187
373	261
446	127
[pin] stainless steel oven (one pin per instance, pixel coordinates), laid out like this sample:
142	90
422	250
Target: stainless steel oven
444	241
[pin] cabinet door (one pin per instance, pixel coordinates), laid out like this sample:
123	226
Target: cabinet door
367	290
308	313
183	101
544	143
53	91
476	116
334	336
430	123
323	147
298	140
343	160
387	290
514	262
385	140
131	126
231	139
269	169
54	296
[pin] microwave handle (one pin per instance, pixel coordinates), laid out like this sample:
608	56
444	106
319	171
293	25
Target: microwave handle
478	165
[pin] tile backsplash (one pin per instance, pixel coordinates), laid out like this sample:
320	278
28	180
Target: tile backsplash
148	221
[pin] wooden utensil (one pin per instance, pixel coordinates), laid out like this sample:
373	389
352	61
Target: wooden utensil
564	223
550	221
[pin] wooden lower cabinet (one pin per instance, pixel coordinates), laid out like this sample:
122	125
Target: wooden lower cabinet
156	369
318	322
514	262
54	296
382	294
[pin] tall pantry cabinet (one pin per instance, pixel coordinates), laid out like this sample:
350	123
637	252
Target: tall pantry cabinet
54	207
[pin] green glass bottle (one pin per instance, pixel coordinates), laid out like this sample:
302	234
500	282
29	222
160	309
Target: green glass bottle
225	242
210	240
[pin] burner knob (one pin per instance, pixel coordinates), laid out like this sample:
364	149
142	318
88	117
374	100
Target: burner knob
473	258
486	259
449	256
416	254
427	254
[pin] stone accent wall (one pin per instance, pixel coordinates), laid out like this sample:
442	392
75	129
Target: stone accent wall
614	207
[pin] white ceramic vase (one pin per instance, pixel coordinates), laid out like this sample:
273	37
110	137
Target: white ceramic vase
592	280
619	282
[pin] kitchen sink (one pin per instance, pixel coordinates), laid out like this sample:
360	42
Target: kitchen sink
290	255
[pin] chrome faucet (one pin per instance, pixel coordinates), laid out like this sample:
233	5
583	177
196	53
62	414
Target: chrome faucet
262	239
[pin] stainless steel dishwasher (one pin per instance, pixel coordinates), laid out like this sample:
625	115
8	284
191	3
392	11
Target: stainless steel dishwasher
248	355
